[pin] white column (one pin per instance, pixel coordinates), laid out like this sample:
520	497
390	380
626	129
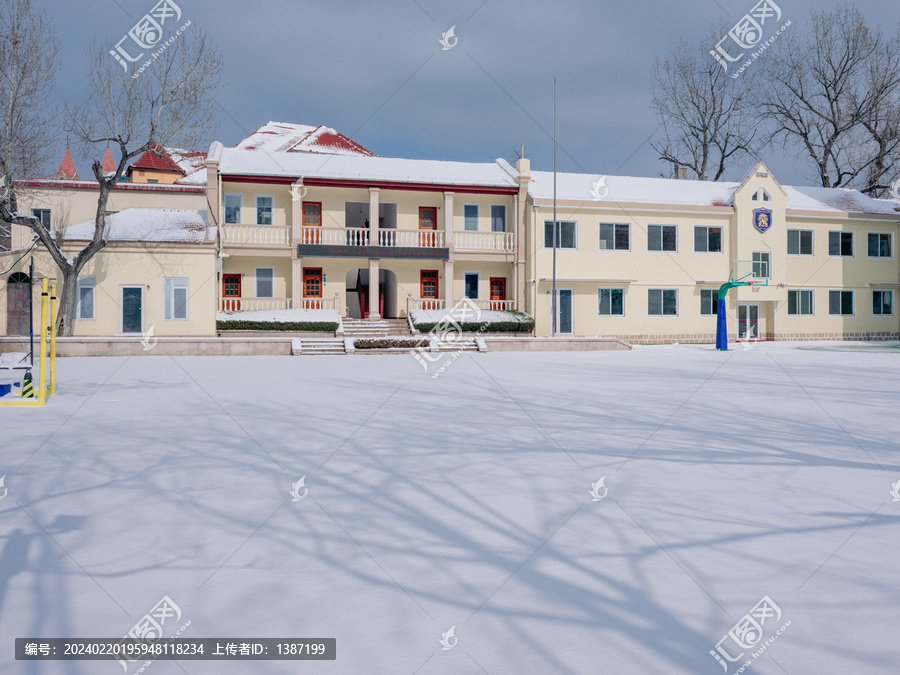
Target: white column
448	220
373	216
297	193
374	286
448	283
296	282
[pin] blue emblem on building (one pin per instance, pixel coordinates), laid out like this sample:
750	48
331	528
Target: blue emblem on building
762	219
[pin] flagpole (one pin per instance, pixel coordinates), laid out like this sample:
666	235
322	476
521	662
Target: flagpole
553	303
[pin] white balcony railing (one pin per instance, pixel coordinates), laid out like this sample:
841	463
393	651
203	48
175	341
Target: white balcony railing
495	305
335	236
316	303
256	235
254	304
485	241
423	303
411	238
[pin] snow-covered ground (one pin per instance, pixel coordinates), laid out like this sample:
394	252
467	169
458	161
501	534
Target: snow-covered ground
469	501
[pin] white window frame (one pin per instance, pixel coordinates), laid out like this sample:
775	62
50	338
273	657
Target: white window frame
477	284
600	289
661	238
662	301
721	229
560	248
505	218
883	290
614	226
768	264
256	204
170	284
477	217
842	290
852	244
799	242
82	283
812	302
225	208
715	301
881	257
762	195
271	279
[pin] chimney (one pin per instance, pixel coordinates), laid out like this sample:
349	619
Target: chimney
680	172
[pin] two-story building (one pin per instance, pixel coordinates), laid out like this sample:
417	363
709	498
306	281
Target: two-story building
313	220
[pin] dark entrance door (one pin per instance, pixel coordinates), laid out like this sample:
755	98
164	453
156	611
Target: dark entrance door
18	288
132	309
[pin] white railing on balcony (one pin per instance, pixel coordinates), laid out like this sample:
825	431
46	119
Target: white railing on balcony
423	303
335	236
485	241
411	238
316	303
495	305
256	235
254	304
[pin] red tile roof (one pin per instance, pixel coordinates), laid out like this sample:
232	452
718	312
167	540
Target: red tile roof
67	169
108	164
156	159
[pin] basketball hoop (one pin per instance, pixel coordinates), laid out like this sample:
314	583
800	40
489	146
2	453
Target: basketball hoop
754	288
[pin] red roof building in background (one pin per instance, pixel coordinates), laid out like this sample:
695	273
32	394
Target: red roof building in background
285	137
108	164
67	169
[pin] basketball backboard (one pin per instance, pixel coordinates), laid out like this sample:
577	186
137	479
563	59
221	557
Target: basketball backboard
751	272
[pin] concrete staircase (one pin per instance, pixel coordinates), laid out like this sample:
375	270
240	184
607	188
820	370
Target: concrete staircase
363	328
305	346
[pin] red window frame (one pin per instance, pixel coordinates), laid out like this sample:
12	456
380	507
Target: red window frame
428	284
498	288
427	217
312	282
231	289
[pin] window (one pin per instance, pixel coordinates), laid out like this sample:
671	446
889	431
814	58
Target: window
84	298
265	282
880	245
152	180
762	196
429	284
661	238
883	303
312	282
43	215
566	234
470	281
800	242
427	218
708	239
612	301
840	244
614	237
176	298
498	289
498	218
662	302
761	260
233	204
840	303
800	303
470	217
709	302
264	209
312	214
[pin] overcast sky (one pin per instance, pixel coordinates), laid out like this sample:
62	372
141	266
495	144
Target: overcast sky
376	71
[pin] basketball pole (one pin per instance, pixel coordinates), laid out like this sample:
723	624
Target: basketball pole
41	398
51	326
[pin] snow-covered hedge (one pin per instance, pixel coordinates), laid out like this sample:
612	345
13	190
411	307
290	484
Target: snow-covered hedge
492	321
308	326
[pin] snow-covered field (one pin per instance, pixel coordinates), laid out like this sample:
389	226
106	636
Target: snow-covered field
469	501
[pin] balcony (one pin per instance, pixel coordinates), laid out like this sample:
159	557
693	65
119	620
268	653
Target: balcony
432	303
256	235
504	242
257	304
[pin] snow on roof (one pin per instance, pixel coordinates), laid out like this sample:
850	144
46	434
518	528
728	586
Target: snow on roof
238	161
632	189
581	186
149	225
190	162
285	137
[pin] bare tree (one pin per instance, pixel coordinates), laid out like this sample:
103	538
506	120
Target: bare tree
831	91
28	62
169	102
704	114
